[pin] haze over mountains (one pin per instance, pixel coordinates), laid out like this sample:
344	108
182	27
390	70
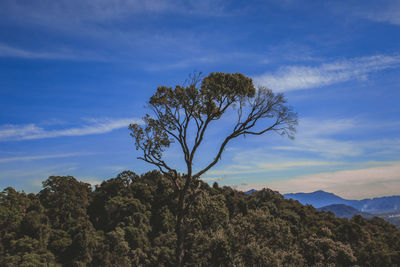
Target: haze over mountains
344	211
387	208
321	198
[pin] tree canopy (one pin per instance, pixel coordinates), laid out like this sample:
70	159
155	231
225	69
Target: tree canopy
183	115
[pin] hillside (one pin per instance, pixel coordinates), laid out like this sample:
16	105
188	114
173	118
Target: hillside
129	221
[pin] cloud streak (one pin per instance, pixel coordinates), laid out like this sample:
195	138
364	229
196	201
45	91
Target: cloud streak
61	54
9	51
30	158
32	131
291	78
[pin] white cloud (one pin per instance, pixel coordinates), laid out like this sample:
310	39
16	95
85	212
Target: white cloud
387	11
32	131
353	184
117	168
29	158
290	78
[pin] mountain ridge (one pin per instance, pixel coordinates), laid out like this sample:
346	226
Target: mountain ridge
321	198
344	211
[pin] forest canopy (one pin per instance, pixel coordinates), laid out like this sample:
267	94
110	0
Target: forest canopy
129	221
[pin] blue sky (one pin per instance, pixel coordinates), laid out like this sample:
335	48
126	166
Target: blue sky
74	74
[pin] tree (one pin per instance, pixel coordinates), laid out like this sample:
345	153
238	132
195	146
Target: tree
184	114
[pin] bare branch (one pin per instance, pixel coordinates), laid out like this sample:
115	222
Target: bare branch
265	105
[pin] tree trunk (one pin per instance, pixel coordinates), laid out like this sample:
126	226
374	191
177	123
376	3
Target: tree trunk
180	248
180	234
180	220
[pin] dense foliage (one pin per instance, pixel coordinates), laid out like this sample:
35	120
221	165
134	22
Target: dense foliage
129	221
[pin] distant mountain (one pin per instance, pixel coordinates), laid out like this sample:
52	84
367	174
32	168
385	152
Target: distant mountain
344	211
250	191
318	198
380	204
321	198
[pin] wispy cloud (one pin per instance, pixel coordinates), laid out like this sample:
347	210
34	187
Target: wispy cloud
374	181
99	24
84	11
290	78
320	146
319	137
116	168
330	138
33	131
326	147
262	167
202	57
61	54
30	158
387	11
30	179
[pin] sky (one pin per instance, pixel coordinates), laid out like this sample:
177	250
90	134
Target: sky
74	74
